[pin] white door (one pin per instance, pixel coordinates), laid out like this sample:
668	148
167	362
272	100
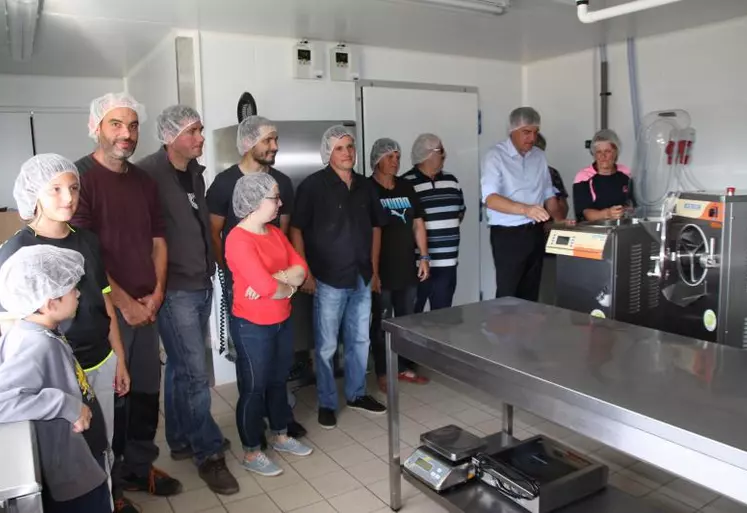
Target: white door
15	149
404	113
65	133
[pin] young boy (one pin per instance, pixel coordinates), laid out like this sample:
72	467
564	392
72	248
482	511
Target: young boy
41	381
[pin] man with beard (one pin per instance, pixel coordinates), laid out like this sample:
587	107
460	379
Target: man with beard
191	431
257	143
119	202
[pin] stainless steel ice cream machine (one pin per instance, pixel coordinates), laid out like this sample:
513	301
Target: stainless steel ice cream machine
684	272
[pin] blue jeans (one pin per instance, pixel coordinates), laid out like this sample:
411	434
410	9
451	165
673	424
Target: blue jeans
351	309
438	289
264	355
183	325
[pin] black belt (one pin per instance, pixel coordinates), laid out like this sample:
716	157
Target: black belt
521	228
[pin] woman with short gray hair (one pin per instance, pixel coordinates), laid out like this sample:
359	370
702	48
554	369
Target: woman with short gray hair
267	272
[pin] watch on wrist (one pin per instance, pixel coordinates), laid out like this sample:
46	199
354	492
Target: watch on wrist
427	258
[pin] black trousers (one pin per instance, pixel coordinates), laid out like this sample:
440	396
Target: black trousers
390	303
518	253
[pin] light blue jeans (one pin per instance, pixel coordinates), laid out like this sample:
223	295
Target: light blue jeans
350	309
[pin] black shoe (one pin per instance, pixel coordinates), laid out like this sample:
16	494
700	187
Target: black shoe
327	418
367	404
296	430
187	453
157	483
123	505
217	476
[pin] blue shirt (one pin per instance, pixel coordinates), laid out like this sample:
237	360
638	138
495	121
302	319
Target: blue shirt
524	179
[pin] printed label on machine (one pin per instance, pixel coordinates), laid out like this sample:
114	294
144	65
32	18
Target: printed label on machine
577	243
697	209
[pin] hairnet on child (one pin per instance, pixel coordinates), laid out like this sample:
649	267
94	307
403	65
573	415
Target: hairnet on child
102	105
35	274
381	148
249	192
251	131
173	121
35	174
330	139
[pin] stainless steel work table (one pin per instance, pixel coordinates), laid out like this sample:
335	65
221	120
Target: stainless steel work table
675	402
20	474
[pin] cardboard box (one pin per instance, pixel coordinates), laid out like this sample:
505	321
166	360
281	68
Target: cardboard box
10	223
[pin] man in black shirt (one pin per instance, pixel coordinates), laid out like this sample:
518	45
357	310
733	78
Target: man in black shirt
336	227
183	318
257	143
400	269
557	180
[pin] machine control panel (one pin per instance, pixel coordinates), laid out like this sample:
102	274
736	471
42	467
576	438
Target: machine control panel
437	472
699	209
577	243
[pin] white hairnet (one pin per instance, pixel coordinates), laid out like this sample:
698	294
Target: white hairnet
251	131
36	173
605	135
331	137
249	192
101	106
423	146
523	117
34	274
381	148
173	121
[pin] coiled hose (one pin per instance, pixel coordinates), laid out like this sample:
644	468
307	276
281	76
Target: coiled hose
226	344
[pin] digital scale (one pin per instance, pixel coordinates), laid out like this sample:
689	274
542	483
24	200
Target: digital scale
538	474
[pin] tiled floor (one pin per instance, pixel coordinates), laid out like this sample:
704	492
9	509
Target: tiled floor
348	472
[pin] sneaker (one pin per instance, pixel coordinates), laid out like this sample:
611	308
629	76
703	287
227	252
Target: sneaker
262	465
292	446
157	483
217	476
296	430
187	453
124	505
367	404
327	418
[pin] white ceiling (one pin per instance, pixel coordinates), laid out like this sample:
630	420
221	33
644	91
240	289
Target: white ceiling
107	37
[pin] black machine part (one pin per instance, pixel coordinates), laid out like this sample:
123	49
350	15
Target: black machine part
246	107
453	443
508	480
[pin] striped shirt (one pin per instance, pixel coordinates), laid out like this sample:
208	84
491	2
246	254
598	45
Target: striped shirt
443	203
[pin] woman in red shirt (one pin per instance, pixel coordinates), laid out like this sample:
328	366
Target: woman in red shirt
267	272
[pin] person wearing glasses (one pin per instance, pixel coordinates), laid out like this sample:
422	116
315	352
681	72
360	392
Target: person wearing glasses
443	204
267	272
604	190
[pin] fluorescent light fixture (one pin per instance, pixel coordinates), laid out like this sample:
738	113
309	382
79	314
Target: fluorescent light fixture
496	7
21	17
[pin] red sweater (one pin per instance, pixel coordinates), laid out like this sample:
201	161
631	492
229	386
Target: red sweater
253	259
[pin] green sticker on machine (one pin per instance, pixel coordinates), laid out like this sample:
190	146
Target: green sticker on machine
709	320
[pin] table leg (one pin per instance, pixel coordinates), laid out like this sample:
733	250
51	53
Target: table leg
508	418
392	371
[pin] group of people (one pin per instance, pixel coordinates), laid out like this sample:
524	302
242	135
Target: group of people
118	257
522	194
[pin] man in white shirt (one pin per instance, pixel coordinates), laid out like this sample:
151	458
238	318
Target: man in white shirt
518	191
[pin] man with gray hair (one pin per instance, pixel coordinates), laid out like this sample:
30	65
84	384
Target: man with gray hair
119	202
336	228
443	204
191	431
518	191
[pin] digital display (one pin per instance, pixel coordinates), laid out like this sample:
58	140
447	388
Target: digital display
341	57
304	55
420	462
562	241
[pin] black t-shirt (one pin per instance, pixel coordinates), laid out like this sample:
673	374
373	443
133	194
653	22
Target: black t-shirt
220	196
603	191
397	268
188	186
88	333
557	182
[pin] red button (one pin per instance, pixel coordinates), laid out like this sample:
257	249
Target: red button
730	191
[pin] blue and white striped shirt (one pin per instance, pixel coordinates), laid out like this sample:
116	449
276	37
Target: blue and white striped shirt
443	203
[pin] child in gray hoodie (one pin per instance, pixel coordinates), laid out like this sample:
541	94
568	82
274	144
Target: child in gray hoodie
41	381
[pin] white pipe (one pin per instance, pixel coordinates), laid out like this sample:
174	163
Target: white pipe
618	10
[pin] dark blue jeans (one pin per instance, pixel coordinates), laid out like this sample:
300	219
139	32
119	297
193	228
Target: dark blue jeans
388	304
264	355
183	325
438	289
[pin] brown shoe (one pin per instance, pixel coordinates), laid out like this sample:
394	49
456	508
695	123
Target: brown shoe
216	475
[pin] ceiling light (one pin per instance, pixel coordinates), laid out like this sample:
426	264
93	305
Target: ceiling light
21	17
496	7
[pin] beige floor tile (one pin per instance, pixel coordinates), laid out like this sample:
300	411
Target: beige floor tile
159	505
219	509
219	406
296	496
629	486
380	446
423	414
369	472
319	507
641	470
248	487
490	427
725	505
351	455
316	465
422	504
357	501
473	416
381	490
362	433
258	504
194	501
334	484
667	504
329	440
615	460
689	493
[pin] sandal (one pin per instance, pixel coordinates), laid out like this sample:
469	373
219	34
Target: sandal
412	377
